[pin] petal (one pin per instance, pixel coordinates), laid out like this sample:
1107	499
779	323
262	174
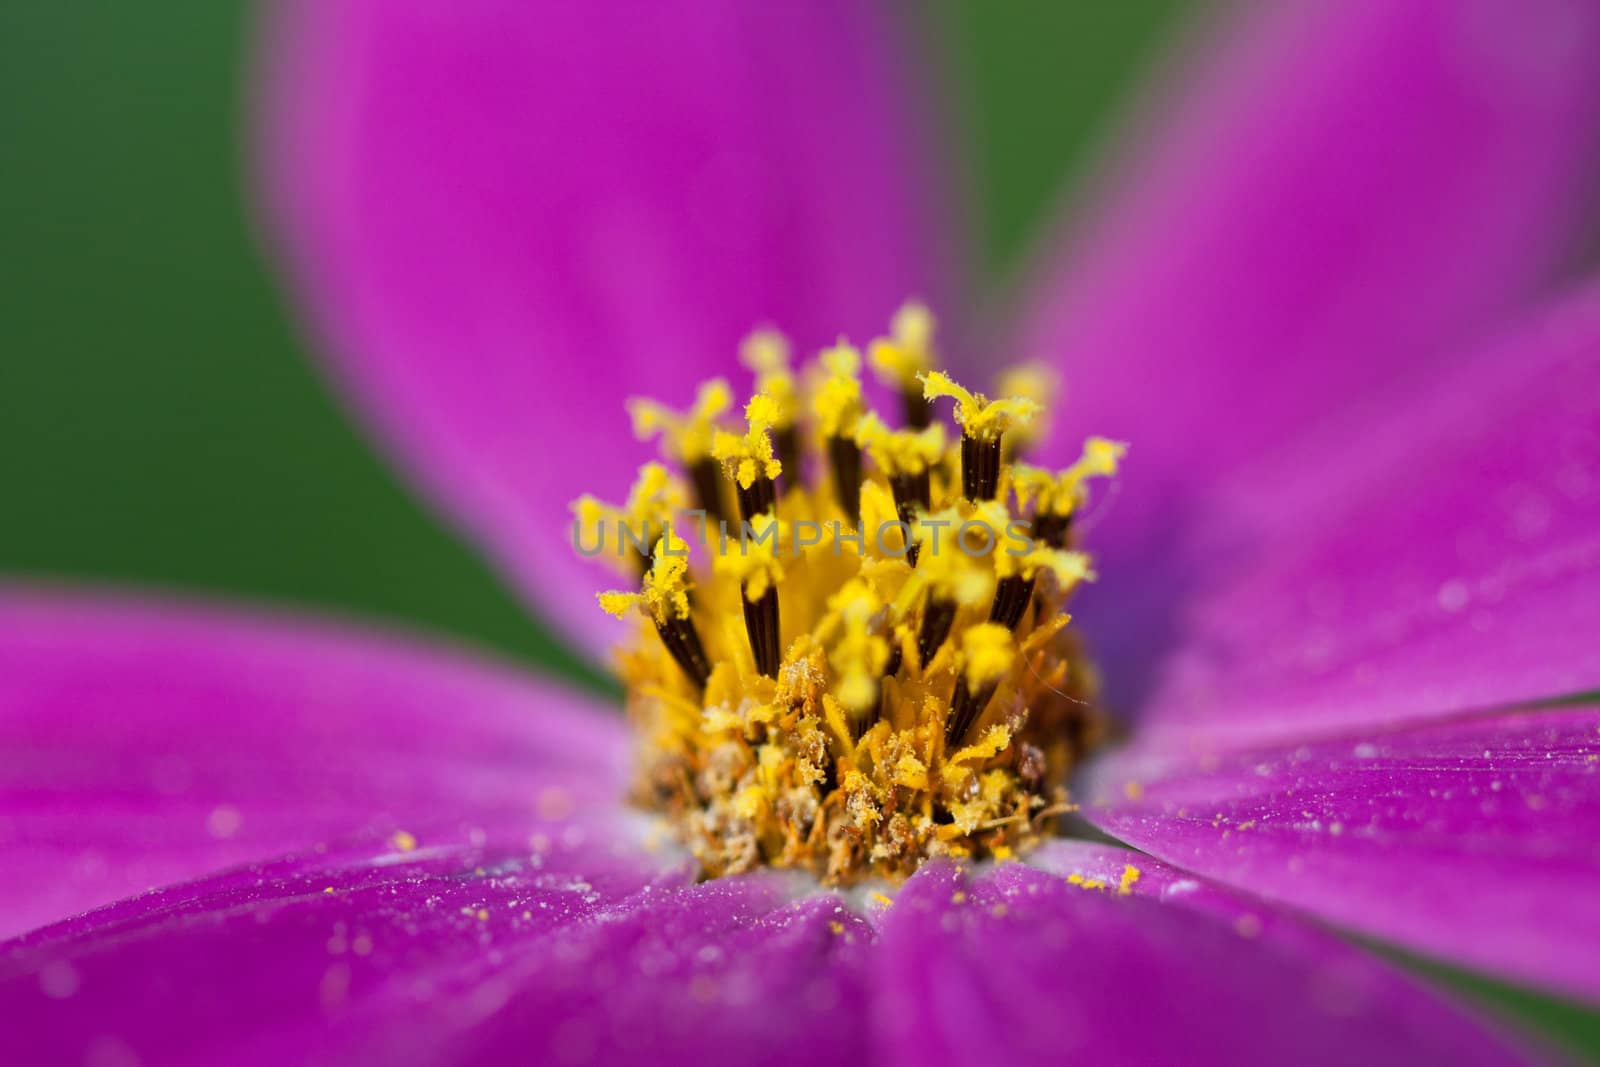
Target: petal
146	742
1330	191
1476	841
1026	968
462	957
503	220
1435	552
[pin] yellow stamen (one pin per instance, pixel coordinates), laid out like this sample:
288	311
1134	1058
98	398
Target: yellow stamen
808	692
1036	382
1060	493
666	585
901	358
754	559
766	352
900	451
838	405
749	456
656	497
980	417
686	436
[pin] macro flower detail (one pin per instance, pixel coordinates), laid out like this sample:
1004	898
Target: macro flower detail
1336	623
904	686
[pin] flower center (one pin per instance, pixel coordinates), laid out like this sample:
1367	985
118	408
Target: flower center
853	672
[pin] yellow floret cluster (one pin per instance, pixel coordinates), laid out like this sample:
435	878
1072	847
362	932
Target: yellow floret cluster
856	657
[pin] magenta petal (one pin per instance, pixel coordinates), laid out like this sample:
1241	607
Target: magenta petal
1031	969
146	742
505	218
1433	553
486	957
1333	194
1476	841
1330	191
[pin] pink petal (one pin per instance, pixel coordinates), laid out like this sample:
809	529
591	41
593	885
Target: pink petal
504	219
1329	195
147	742
1329	191
1436	551
1477	841
460	957
1027	968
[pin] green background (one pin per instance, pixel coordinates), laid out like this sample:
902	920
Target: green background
161	425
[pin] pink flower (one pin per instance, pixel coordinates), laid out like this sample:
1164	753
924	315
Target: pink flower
1350	589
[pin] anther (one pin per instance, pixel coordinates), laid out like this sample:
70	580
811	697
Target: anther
761	624
844	457
682	641
1011	596
988	652
912	496
839	408
980	467
663	598
983	425
937	619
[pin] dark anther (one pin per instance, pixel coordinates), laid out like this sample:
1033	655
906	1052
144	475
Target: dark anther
1053	530
759	499
965	707
912	495
761	623
707	478
844	456
896	653
787	442
683	642
980	467
919	413
1011	596
937	618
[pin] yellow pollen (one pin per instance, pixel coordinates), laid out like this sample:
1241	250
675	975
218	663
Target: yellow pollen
852	685
908	352
402	841
838	404
989	652
666	585
766	352
754	561
1060	493
611	532
1130	875
686	436
747	457
901	451
1036	382
979	416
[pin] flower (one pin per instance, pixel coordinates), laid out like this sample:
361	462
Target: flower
1349	595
